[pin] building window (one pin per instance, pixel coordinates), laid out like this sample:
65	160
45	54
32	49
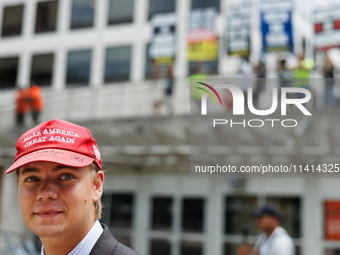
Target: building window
205	3
42	69
121	211
192	214
118	62
8	72
46	20
120	11
191	248
161	6
118	215
160	247
239	223
237	215
205	67
82	13
161	214
289	209
12	20
78	67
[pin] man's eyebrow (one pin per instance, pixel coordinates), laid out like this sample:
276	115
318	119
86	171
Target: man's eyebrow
61	167
29	170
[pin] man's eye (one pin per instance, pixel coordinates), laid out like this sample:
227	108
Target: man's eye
32	179
66	177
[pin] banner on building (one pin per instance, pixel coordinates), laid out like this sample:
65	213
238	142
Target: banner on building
239	29
327	28
332	220
202	37
276	25
163	43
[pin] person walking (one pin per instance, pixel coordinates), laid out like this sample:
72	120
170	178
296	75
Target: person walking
274	239
37	102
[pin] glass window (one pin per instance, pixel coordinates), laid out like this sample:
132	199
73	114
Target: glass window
12	20
237	215
205	3
42	69
120	11
191	248
158	247
121	211
231	248
334	251
289	209
192	214
118	61
46	20
82	13
161	6
78	67
161	213
206	67
8	72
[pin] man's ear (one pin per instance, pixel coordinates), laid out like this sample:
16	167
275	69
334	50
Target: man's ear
98	186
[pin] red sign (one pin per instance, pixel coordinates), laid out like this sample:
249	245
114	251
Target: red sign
332	220
337	24
318	27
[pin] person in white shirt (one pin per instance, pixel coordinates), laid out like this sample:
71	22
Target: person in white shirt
274	239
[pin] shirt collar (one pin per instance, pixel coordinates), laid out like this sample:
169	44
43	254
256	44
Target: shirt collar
86	245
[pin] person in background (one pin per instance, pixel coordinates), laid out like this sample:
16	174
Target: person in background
23	106
168	88
328	73
197	75
260	73
274	239
37	102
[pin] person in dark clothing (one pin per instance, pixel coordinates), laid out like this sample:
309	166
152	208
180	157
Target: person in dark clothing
60	178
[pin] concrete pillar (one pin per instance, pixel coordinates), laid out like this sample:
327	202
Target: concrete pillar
141	217
213	226
11	218
182	10
311	220
138	54
98	50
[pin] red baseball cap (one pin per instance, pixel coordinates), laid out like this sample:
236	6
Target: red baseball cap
57	141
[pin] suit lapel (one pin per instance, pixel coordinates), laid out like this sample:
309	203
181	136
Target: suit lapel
106	243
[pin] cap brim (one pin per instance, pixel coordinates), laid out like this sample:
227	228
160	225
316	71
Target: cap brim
64	157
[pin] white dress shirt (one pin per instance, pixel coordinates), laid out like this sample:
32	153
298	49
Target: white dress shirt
278	243
86	245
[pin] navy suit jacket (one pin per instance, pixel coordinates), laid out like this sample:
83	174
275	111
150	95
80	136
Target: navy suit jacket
108	245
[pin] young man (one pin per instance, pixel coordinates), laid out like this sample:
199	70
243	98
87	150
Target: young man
60	181
274	240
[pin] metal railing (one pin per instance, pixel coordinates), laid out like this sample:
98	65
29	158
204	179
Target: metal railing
126	100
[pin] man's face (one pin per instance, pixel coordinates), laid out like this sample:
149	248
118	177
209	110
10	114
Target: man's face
266	222
58	200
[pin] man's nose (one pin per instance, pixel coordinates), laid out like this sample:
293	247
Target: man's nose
48	190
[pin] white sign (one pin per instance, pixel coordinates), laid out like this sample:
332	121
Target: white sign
238	29
163	44
327	28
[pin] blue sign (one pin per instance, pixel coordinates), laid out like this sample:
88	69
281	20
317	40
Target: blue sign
277	31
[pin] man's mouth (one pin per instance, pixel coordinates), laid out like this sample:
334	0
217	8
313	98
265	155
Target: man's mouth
47	213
